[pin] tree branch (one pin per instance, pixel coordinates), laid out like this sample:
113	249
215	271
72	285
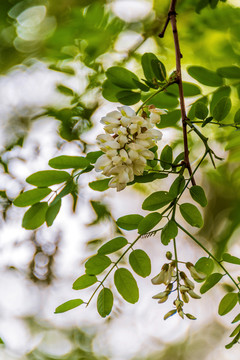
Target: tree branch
172	19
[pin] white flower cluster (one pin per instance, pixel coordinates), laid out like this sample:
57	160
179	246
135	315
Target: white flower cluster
168	276
126	143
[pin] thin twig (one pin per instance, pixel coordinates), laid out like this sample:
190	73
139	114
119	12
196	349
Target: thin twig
209	253
170	12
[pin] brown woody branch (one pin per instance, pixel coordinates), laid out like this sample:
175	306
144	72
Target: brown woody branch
171	18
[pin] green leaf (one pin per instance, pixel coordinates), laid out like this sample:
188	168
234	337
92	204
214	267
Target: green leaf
205	76
48	177
206	121
153	68
191	113
227	303
166	157
129	222
126	285
68	305
65	191
237	117
92	156
99	185
35	216
213	3
231	259
122	77
97	264
229	72
64	69
238	90
84	282
198	194
52	212
65	90
140	262
222	108
169	119
201	110
191	214
69	162
105	302
235	341
189	89
127	97
112	245
149	222
157	200
211	281
236	319
204	265
178	159
235	331
162	100
109	91
169	232
177	186
31	197
219	94
148	178
141	86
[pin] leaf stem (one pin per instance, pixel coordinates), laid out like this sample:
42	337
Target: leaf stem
114	265
120	258
154	94
209	253
176	259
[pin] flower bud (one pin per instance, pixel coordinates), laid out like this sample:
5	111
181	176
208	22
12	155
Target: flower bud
194	273
184	288
180	313
187	281
191	317
168	276
178	303
185	297
169	287
169	255
170	313
163	300
161	295
194	295
159	279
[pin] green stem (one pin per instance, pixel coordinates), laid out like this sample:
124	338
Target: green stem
237	126
204	140
176	259
120	258
154	94
189	180
209	253
114	265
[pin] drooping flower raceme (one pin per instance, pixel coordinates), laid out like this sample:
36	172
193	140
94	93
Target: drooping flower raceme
126	143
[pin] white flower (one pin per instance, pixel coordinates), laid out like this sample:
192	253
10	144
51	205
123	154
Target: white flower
126	143
102	162
126	111
110	145
155	114
155	118
102	138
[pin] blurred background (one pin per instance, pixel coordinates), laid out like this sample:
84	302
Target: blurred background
53	55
